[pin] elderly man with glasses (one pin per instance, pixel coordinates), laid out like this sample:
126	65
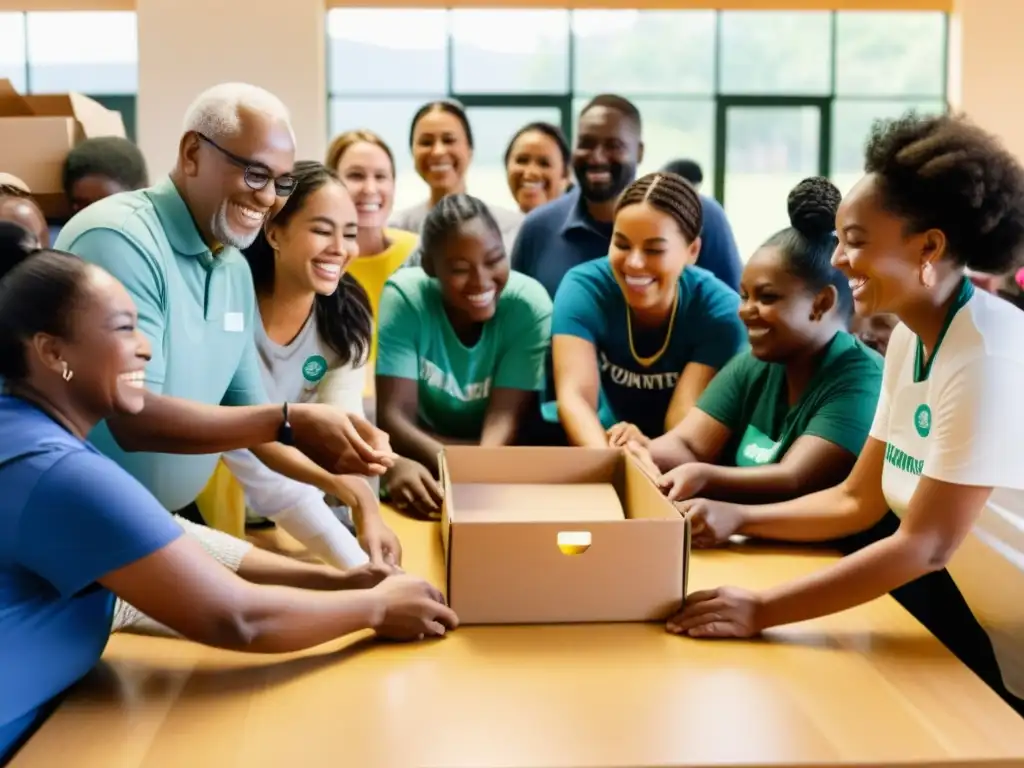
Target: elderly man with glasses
175	247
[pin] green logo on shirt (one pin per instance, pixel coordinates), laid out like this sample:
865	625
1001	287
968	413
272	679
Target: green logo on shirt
923	420
314	368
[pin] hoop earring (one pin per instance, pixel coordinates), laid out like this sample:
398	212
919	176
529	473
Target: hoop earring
928	275
66	373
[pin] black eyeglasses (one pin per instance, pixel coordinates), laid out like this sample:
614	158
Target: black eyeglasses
256	175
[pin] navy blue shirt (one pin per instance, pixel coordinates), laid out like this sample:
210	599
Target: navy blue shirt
562	234
707	330
68	516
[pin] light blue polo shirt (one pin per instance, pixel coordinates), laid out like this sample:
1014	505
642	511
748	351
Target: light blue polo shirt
197	310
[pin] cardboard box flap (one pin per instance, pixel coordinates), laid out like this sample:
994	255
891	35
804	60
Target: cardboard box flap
472	464
92	117
12	103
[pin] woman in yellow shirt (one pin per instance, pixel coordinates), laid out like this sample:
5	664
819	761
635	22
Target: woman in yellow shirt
367	169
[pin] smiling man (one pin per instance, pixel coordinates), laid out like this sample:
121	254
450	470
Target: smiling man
175	247
577	227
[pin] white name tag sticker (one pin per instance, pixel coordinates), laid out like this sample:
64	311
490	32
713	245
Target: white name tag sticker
234	322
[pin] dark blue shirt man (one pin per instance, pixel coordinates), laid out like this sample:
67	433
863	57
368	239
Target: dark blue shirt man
577	227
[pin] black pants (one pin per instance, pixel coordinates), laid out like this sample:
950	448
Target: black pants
935	600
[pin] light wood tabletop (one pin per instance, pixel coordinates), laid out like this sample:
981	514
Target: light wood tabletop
868	687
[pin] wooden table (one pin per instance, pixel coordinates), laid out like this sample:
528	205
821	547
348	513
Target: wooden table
867	687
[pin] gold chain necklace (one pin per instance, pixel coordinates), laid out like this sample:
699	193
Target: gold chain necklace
647	362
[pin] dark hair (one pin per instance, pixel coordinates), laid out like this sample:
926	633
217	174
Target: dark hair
344	319
344	141
110	156
452	107
444	219
553	132
670	194
16	243
688	169
37	295
943	172
620	104
808	243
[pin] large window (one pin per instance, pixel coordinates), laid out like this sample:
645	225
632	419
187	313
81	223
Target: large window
90	52
759	98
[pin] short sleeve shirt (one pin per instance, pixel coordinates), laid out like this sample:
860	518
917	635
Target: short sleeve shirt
707	329
68	516
958	419
416	341
196	308
750	397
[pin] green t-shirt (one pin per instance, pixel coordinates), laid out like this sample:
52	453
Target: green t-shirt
749	396
416	341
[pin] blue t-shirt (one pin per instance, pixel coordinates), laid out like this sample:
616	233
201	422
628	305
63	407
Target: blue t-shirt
68	516
707	330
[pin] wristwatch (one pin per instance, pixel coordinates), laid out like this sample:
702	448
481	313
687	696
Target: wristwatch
284	432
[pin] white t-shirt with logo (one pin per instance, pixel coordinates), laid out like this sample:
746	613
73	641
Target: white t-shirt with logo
961	420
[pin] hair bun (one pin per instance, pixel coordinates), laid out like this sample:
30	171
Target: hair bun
812	207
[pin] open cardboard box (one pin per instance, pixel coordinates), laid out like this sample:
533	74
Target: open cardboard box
37	132
545	535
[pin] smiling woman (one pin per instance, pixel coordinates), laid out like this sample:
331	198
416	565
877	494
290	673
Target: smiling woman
462	346
80	530
366	167
441	141
312	336
537	162
791	415
638	336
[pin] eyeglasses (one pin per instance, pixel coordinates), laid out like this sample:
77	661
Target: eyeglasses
256	175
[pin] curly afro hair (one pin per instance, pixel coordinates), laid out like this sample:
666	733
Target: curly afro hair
943	172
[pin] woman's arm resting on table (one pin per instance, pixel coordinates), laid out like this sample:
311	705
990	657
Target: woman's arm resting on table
577	388
938	520
691	385
183	588
811	464
852	506
397	411
505	412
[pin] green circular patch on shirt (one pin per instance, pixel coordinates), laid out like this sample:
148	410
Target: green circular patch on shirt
923	420
314	368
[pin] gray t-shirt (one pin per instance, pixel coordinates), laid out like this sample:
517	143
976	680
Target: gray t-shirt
306	370
303	371
411	220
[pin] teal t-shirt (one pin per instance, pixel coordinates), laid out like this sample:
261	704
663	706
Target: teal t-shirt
416	341
707	330
750	397
196	309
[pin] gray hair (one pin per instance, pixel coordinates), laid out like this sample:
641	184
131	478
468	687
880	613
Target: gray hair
215	112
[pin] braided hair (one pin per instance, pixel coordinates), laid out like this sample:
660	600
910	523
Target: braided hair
444	220
344	319
808	243
670	194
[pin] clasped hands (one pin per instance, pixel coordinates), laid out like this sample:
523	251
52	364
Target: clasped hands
722	612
